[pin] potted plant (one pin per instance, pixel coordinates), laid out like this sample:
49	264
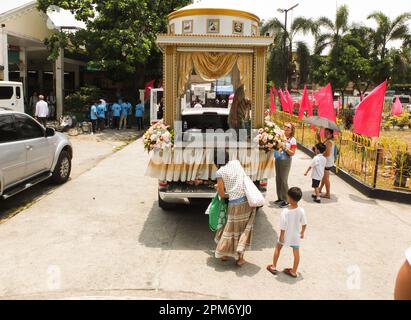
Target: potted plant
402	166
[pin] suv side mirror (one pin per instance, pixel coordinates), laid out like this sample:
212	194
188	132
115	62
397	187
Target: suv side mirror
50	132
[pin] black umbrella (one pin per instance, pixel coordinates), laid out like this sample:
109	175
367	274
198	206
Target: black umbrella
321	122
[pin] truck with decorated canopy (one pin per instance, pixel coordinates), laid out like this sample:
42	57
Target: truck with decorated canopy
212	49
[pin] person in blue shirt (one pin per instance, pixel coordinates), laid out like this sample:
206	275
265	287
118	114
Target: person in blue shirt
117	109
139	115
93	118
130	112
124	114
101	114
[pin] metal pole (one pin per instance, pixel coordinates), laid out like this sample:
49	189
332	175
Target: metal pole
377	160
285	48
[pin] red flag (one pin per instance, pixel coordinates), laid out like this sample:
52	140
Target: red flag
367	119
275	92
290	101
284	102
305	105
397	107
149	85
325	103
273	106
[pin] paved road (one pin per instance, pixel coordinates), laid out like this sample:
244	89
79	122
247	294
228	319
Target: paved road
103	235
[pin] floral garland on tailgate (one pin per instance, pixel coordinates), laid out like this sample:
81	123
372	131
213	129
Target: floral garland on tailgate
158	137
270	137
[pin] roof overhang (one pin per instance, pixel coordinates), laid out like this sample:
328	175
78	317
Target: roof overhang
202	40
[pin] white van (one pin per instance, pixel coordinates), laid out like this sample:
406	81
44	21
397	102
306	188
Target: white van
11	96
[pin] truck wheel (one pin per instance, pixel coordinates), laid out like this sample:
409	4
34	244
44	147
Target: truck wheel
62	170
166	206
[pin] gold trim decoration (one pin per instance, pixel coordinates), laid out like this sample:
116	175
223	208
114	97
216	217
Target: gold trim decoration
213	11
238	24
216	25
191	23
213	36
169	84
260	86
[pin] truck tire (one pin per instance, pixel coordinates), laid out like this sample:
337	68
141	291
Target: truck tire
62	170
166	206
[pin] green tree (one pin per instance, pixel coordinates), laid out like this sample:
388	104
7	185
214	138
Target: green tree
120	35
281	57
328	32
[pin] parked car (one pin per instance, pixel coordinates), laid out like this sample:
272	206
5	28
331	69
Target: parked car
406	102
30	153
11	95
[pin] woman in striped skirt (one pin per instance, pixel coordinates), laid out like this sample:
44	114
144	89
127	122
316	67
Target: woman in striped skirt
235	237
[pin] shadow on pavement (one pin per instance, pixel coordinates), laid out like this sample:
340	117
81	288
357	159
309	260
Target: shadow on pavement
14	205
247	270
186	228
307	197
362	200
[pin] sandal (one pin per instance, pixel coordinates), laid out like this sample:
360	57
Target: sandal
324	196
289	273
238	264
271	270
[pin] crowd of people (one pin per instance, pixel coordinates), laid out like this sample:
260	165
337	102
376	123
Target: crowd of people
116	115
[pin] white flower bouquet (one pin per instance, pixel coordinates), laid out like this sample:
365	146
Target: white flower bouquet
270	137
159	136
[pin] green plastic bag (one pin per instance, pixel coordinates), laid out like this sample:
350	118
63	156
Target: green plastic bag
217	213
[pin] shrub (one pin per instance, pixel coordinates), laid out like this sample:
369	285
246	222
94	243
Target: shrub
80	100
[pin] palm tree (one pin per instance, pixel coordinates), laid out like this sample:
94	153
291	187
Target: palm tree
388	30
334	31
282	56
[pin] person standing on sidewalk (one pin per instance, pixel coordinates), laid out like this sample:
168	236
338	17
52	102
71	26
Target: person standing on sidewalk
93	118
101	113
42	111
116	114
329	154
139	115
124	115
283	162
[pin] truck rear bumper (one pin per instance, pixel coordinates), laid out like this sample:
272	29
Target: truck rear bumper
186	195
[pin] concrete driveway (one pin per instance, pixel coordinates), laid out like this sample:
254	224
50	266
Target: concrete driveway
102	235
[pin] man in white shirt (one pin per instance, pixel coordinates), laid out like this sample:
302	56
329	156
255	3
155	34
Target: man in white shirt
42	111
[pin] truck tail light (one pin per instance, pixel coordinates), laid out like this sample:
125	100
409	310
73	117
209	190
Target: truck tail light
162	183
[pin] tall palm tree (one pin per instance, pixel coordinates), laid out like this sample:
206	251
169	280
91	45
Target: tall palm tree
283	55
388	30
334	30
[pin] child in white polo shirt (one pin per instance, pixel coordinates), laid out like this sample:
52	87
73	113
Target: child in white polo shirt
317	166
291	220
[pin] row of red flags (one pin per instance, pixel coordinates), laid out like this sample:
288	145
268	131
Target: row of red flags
367	118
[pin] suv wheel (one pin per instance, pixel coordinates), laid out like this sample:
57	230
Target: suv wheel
63	168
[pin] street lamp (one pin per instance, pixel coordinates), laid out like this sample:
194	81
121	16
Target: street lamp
285	11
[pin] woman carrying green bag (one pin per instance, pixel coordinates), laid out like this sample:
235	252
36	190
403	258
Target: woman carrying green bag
217	213
235	235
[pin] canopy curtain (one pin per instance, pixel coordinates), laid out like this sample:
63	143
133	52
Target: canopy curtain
215	65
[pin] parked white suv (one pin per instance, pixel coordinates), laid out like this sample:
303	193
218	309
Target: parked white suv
30	153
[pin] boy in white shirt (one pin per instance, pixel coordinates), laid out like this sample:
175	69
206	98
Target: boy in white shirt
317	167
291	220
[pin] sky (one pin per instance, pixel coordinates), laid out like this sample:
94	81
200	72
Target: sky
359	9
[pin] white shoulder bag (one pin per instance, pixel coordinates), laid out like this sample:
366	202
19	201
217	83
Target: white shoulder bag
254	196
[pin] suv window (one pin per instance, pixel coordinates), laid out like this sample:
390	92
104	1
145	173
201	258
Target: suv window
8	131
6	93
27	128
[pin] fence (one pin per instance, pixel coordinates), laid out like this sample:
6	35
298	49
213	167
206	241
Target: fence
378	163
